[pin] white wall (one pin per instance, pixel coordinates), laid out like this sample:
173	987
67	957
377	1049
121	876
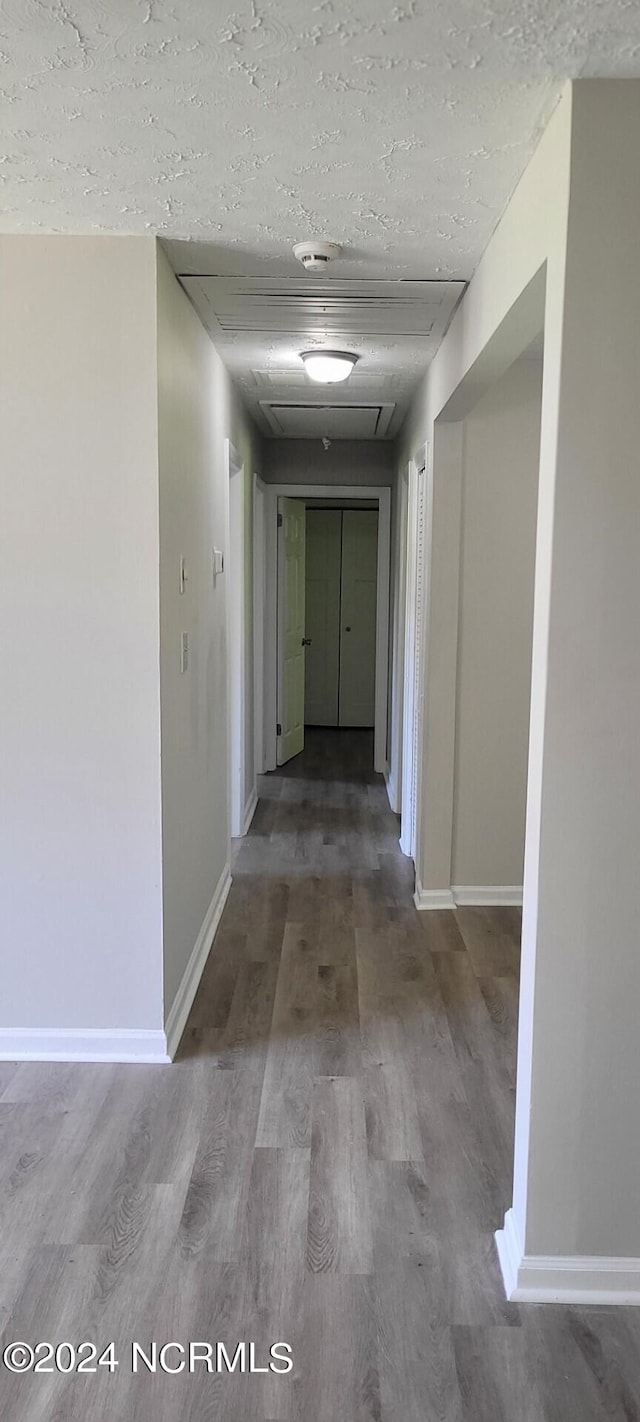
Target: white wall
80	850
501	454
197	412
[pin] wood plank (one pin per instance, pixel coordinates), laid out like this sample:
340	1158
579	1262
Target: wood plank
339	1237
339	1345
492	940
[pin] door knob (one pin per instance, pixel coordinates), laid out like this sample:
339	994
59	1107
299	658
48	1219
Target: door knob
306	641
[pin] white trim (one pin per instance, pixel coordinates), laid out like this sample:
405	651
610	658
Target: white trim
438	678
280	604
382	631
414	579
271	629
259	614
183	1000
472	896
249	810
509	1252
82	1044
491	895
235	610
392	790
381	493
564	1278
399	620
432	898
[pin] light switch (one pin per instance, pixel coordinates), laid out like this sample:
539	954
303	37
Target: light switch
184	652
218	562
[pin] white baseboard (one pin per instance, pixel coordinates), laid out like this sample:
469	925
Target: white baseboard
392	790
432	898
569	1279
249	810
183	1000
489	895
468	896
85	1044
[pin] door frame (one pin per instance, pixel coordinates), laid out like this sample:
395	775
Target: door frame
381	494
259	619
413	679
394	784
281	633
235	638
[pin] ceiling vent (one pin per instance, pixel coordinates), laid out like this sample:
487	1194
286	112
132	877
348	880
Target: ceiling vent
315	256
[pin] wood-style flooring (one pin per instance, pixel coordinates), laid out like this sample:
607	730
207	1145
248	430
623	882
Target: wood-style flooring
324	1165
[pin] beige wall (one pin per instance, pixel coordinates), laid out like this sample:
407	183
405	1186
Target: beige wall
568	236
584	831
501	454
80	855
197	411
346	461
115	409
518	284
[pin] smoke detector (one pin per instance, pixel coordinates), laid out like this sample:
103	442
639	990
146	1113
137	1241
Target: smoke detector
316	255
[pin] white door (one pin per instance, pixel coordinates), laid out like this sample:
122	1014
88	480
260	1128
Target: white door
358	617
322	617
291	630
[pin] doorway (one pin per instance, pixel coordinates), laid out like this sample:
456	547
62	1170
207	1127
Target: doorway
279	692
236	638
413	573
340	616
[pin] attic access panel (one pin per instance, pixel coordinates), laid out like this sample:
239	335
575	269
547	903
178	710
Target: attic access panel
299	421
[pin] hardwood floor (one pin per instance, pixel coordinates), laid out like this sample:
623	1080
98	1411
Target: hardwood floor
324	1165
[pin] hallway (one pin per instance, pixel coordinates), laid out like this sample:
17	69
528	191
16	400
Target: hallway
324	1165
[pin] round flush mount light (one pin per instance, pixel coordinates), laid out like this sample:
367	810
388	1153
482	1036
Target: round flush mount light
328	367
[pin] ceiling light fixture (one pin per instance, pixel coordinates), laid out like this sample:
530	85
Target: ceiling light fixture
328	367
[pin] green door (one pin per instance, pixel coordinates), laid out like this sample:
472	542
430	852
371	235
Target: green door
291	633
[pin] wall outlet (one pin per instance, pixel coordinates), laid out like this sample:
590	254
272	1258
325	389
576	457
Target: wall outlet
184	652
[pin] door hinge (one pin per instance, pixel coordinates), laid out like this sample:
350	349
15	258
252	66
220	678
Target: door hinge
278	729
279	520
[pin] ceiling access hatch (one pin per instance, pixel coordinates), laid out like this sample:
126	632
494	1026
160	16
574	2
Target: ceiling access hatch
304	421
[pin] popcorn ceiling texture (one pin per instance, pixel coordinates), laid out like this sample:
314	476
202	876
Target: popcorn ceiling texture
397	129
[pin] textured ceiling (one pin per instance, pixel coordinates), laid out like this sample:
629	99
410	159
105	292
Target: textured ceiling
395	127
398	128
